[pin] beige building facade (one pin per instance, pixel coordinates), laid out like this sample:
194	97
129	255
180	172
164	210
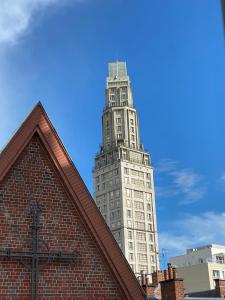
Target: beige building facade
200	267
123	176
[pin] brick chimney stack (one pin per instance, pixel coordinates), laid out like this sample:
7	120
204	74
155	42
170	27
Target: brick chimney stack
157	276
220	288
148	288
172	288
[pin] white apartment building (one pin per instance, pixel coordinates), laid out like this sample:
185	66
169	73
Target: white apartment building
123	176
200	266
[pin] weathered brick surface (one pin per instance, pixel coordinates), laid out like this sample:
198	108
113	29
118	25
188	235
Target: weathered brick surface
34	178
172	289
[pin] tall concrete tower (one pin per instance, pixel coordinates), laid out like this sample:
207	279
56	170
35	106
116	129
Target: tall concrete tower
123	176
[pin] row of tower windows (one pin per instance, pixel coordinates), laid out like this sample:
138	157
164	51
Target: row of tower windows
136	173
138	194
139	215
138	182
140	246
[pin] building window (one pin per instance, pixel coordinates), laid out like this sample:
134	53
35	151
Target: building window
148	206
149	227
152	258
149	217
148	184
130	234
216	274
141	247
116	172
118	128
151	237
223	274
128	192
118	120
117	235
151	248
140	225
126	179
131	256
139	215
140	236
129	223
142	257
129	213
148	197
117	193
139	205
220	259
130	245
132	121
138	194
126	171
128	203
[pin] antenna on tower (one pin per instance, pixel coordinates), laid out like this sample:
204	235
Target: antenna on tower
163	257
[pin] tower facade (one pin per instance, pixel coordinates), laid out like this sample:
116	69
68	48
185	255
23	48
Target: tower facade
123	176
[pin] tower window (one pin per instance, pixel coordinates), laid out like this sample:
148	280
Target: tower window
126	171
128	192
130	246
129	213
130	234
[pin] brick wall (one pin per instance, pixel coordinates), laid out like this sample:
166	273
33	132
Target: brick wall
34	178
172	288
220	288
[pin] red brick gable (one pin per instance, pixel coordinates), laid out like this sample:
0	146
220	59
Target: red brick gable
35	166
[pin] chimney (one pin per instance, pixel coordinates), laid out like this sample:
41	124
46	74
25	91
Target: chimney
220	288
157	276
172	288
148	288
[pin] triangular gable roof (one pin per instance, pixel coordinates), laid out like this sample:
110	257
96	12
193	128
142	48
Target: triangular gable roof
38	122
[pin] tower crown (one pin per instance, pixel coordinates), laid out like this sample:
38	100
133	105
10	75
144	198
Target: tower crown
118	89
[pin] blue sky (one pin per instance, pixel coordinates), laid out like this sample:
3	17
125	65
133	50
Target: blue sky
57	51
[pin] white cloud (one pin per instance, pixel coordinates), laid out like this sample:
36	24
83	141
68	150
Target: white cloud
185	183
16	16
193	230
166	165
